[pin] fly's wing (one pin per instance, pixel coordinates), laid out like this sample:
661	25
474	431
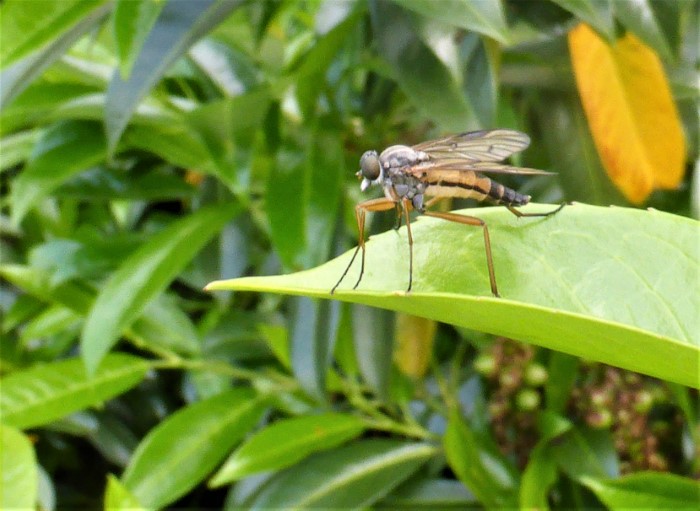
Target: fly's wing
482	167
476	146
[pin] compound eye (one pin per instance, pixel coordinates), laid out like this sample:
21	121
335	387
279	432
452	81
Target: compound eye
369	165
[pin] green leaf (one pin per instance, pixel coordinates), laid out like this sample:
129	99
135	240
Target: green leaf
226	128
646	490
39	395
144	274
19	476
17	147
420	74
24	28
419	493
373	335
180	24
286	442
583	452
541	471
480	466
313	330
166	325
20	75
76	145
350	477
132	21
179	453
639	17
565	283
485	16
117	497
597	13
580	171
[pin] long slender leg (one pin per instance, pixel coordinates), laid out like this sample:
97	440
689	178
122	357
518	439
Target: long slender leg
406	206
381	204
477	222
397	225
520	214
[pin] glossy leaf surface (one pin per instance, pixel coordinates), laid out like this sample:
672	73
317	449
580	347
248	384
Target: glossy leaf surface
286	442
351	477
143	275
176	455
44	393
564	281
19	474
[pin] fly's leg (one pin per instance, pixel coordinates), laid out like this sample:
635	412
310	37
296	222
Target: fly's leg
476	222
407	206
520	214
397	225
381	204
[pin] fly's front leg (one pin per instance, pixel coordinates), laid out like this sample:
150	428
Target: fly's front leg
407	206
361	209
397	225
477	222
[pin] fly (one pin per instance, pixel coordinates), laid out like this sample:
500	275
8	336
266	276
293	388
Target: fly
447	167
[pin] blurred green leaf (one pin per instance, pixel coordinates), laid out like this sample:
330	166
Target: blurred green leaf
313	329
25	28
19	475
64	150
480	466
639	17
17	147
651	490
583	452
562	373
163	321
179	25
179	453
352	477
41	394
426	493
175	143
303	196
597	13
373	336
575	159
419	73
144	274
226	128
100	184
565	282
541	471
485	16
132	21
18	76
286	442
310	76
118	497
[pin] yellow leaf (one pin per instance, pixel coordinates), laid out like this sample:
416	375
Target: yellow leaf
414	344
630	111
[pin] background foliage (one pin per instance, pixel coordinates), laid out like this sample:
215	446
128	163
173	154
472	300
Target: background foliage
149	148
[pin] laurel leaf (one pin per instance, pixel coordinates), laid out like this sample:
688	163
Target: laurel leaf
630	111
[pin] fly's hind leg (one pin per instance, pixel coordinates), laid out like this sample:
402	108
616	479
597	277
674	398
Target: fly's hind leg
520	214
361	209
476	222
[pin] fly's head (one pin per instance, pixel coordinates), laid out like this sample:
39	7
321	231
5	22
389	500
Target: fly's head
370	170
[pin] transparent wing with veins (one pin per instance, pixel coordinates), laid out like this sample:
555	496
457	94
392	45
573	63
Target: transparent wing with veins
476	146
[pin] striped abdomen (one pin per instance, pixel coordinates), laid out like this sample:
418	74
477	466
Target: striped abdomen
470	185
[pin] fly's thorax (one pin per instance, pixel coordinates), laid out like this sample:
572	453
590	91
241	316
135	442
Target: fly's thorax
399	156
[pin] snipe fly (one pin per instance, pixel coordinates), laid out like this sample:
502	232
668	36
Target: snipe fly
447	167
